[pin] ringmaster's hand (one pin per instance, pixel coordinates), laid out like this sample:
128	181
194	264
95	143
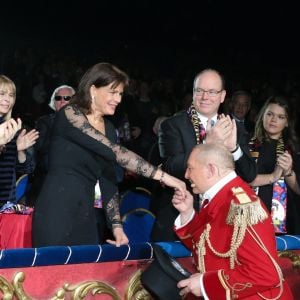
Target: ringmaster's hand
190	285
184	204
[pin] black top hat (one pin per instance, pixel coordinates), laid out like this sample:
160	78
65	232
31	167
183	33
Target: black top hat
161	277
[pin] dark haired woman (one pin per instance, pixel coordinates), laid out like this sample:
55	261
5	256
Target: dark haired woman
275	148
80	154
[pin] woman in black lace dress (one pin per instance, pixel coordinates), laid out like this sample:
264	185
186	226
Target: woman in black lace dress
80	154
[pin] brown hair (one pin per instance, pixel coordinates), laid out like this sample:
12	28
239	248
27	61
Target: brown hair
289	133
99	75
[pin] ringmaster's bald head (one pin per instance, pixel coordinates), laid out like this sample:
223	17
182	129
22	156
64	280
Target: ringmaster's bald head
208	164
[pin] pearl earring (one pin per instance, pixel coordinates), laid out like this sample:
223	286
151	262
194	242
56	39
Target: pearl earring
93	98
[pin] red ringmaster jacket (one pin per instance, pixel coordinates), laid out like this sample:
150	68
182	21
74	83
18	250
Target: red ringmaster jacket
247	271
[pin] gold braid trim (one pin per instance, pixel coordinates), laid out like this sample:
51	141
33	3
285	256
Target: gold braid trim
236	240
250	213
222	279
192	112
232	289
280	147
241	215
260	243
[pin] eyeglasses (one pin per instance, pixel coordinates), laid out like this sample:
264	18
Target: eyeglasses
59	98
210	93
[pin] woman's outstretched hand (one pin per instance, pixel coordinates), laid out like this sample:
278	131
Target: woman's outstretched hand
120	237
173	182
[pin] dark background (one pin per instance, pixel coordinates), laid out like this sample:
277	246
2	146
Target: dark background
252	34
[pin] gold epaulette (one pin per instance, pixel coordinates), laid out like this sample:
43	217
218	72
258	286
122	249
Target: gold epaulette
240	195
244	211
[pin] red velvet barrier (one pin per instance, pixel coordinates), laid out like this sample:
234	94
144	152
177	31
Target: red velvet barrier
291	274
15	231
44	282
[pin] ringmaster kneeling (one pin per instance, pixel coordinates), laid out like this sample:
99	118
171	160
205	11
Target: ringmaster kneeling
232	238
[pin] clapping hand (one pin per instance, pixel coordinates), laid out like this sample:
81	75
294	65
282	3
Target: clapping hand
224	132
8	129
277	173
285	161
26	139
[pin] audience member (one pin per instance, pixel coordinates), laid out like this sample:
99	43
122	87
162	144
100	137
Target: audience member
200	123
80	154
275	147
240	107
39	95
232	238
14	159
153	155
145	112
59	98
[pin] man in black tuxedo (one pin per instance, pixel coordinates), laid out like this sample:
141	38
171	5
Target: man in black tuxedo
181	132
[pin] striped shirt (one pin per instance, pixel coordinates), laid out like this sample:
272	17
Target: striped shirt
9	169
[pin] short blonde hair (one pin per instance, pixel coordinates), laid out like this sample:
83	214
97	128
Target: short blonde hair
7	83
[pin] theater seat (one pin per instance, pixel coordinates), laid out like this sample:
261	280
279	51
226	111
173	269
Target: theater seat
138	197
138	224
21	186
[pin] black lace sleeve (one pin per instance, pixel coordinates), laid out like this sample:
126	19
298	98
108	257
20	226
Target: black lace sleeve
126	158
112	211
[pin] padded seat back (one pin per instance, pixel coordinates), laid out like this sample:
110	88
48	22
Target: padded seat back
138	224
